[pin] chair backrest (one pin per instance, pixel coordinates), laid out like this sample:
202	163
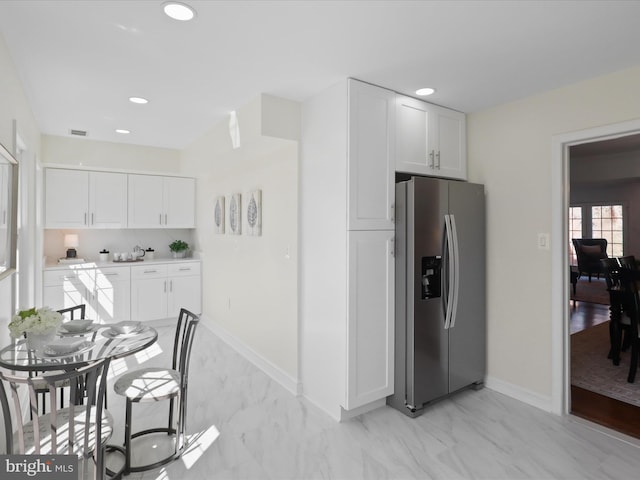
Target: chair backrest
49	434
595	247
78	310
185	331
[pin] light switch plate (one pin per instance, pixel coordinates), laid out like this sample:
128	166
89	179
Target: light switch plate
543	241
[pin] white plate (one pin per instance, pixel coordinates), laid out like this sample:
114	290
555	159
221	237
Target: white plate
82	348
78	326
110	333
64	332
127	327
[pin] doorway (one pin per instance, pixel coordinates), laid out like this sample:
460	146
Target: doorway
593	141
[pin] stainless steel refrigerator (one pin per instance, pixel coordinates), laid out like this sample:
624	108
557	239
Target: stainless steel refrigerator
440	324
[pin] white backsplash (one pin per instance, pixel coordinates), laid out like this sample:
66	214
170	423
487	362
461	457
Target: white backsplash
91	242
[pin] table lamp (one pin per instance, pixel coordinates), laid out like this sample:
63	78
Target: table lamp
71	242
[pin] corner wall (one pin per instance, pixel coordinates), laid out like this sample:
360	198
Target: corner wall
250	293
510	151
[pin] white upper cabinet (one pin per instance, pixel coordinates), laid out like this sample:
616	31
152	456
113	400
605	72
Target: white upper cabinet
371	176
107	200
161	202
85	199
430	140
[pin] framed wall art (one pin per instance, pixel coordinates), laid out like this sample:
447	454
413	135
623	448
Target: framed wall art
235	214
253	201
218	215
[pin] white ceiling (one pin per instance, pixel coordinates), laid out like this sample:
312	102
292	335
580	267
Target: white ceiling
79	61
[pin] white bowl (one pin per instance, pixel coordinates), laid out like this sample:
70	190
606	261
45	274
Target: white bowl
77	326
125	327
64	345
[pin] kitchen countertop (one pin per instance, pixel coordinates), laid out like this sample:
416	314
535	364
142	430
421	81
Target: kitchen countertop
54	265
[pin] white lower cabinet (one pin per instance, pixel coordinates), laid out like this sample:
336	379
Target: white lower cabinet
159	291
370	329
106	292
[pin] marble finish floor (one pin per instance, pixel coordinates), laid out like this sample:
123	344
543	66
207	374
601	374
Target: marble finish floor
243	425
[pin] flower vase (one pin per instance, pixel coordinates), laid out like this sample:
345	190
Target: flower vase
180	254
37	341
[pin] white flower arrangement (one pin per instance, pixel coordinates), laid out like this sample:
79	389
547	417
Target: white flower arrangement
40	321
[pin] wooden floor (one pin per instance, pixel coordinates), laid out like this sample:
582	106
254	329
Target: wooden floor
609	412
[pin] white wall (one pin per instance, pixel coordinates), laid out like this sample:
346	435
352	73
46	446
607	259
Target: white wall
510	152
119	156
13	106
250	292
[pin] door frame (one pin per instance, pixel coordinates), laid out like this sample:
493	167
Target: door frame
560	349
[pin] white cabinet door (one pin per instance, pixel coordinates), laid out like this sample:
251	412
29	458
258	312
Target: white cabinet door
179	202
451	133
149	292
370	331
371	176
184	292
66	198
430	140
107	200
146	209
112	294
161	202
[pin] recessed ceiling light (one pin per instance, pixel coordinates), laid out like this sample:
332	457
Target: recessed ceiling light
122	130
179	11
423	92
138	100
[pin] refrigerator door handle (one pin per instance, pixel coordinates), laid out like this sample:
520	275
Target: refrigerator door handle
456	271
450	266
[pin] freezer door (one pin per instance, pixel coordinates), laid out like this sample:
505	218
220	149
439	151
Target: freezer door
467	335
427	339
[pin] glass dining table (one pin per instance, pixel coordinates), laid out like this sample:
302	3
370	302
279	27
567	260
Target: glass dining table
100	342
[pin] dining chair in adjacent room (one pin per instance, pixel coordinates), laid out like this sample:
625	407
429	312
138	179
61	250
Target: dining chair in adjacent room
156	384
79	429
618	308
628	279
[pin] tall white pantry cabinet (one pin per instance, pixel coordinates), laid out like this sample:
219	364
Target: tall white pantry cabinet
347	204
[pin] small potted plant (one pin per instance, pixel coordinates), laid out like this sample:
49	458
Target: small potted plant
179	248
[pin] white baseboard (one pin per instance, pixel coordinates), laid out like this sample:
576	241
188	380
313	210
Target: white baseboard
292	384
519	393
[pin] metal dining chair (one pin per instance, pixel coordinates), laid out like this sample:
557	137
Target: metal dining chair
157	384
69	313
75	313
79	429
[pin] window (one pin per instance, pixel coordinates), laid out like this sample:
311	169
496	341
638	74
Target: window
597	221
575	231
607	222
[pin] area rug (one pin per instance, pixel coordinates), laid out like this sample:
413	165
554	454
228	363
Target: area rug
593	292
592	370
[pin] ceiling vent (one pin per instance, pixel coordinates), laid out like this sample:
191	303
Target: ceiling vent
79	133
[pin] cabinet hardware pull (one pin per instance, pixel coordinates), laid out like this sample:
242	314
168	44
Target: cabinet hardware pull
184	269
165	286
393	213
111	274
151	271
393	247
438	159
85	218
171	285
160	219
431	159
165	218
92	222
